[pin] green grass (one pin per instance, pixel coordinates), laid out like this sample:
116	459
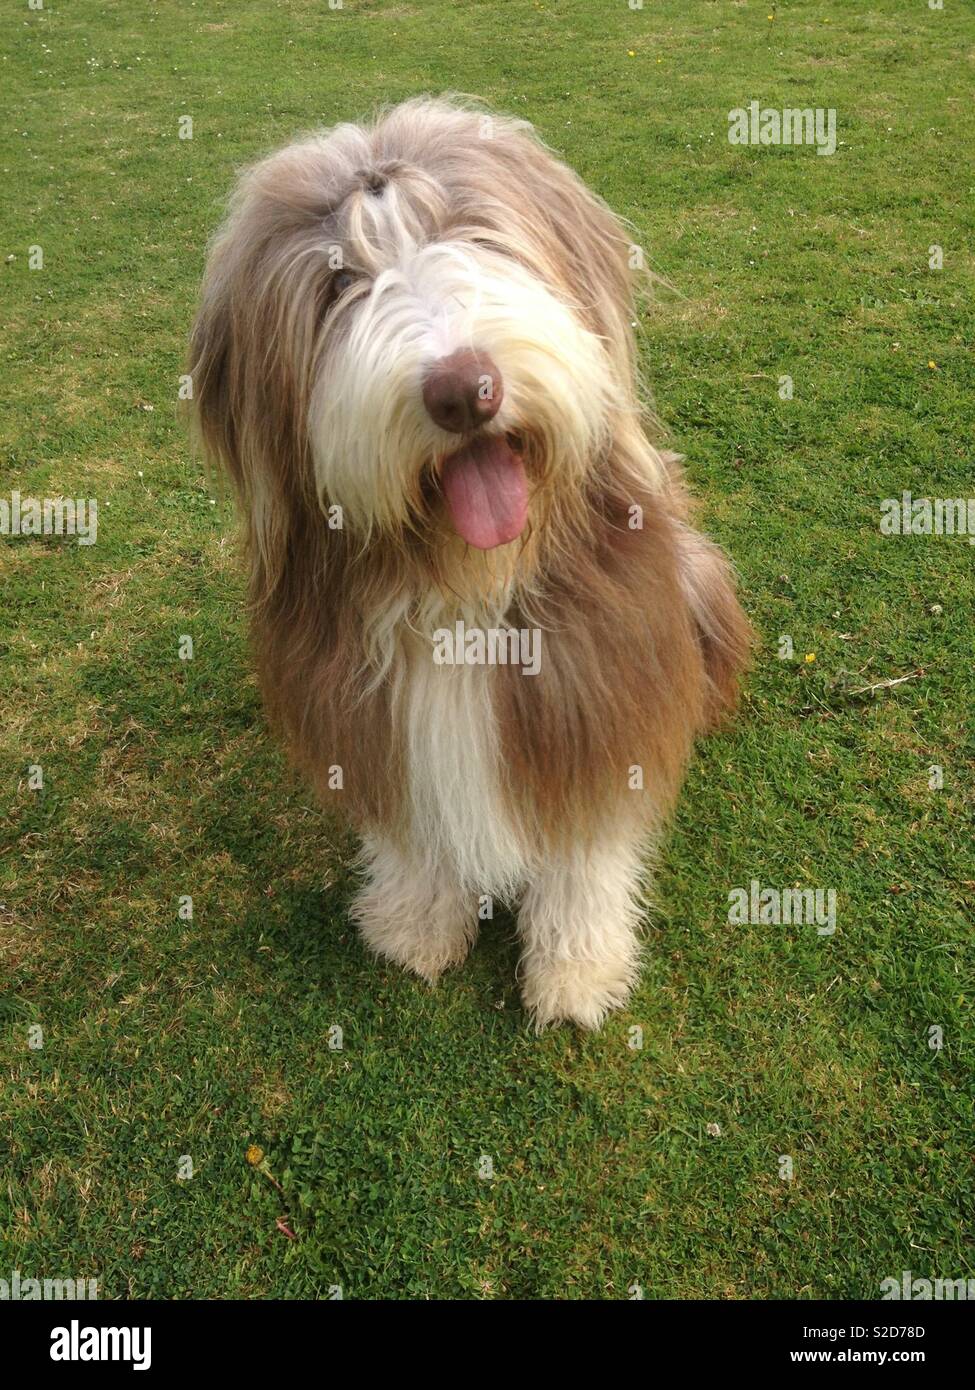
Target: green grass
164	1037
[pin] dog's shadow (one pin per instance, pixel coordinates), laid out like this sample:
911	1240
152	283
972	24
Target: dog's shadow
300	936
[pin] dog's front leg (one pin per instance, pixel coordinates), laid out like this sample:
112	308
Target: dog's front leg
578	924
411	910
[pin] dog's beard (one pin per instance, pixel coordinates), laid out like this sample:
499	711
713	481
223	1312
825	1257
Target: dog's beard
381	458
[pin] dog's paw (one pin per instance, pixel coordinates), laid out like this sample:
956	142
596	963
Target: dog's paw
427	946
576	991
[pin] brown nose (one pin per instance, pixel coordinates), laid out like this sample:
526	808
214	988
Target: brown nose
463	391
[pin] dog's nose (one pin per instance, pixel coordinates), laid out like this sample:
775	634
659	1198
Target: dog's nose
462	391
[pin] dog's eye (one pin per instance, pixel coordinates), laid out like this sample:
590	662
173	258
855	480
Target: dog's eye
340	282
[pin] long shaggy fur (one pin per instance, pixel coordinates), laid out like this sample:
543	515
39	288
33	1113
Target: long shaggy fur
349	264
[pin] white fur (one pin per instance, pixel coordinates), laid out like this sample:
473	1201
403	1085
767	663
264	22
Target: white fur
578	924
412	911
418	906
454	771
371	436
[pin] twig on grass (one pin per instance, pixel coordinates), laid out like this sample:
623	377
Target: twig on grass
886	685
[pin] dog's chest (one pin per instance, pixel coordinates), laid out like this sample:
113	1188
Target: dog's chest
455	801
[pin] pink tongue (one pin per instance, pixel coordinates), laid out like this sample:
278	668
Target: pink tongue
486	492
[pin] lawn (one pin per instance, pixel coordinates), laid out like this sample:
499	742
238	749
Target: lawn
423	1143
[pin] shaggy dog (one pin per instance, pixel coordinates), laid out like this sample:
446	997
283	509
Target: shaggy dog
414	354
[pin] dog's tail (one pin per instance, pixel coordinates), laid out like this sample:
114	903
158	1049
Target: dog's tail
724	632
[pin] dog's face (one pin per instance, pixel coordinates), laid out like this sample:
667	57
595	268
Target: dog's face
425	324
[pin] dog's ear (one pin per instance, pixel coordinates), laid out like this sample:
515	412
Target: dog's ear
233	406
252	352
252	345
591	243
209	372
582	245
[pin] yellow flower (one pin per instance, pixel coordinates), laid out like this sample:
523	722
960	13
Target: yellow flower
810	656
933	366
254	1155
630	53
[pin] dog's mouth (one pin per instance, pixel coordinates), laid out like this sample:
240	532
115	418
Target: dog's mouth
485	489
